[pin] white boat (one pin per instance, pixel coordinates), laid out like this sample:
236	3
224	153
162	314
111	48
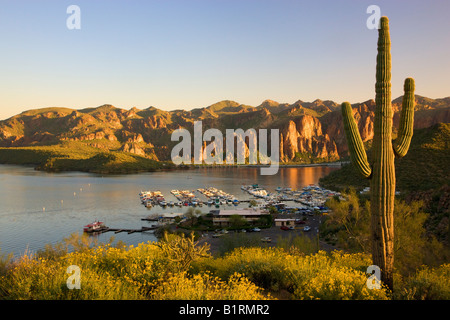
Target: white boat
95	226
148	203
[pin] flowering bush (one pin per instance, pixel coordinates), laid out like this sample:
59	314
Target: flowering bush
150	271
205	286
315	276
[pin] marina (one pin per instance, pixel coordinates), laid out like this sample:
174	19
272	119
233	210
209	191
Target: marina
311	197
283	200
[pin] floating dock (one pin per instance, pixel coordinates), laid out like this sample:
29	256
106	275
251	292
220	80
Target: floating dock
117	230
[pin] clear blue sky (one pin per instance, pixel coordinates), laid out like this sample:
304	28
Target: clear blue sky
192	53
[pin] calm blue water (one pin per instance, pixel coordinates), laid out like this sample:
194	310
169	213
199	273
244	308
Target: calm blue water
37	208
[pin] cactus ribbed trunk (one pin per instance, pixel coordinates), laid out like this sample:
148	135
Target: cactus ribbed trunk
382	184
381	169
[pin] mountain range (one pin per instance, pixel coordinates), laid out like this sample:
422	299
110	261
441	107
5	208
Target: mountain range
309	131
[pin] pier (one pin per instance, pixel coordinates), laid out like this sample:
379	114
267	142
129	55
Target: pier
311	196
117	230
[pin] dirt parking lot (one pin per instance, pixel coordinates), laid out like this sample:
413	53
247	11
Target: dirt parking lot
275	233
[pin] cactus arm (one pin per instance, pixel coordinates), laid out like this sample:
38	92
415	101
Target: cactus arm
355	144
405	130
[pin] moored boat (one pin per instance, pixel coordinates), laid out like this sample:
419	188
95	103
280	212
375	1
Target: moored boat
95	226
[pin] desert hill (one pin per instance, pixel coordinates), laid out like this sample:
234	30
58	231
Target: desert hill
309	131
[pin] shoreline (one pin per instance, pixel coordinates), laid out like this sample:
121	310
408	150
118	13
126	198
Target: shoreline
179	167
281	165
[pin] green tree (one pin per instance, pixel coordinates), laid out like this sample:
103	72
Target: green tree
349	220
273	210
265	220
413	247
237	221
192	214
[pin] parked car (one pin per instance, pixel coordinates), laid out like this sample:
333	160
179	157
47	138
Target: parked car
217	235
307	228
256	229
266	239
285	228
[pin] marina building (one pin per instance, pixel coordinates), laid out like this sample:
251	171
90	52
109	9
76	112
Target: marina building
222	217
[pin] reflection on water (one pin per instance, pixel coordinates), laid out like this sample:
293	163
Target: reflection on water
37	208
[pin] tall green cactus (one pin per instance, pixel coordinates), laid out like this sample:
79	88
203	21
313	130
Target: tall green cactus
381	170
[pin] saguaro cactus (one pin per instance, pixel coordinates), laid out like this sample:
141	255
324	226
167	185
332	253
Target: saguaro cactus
381	169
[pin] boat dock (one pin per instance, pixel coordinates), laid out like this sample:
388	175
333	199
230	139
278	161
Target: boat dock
311	196
117	230
129	231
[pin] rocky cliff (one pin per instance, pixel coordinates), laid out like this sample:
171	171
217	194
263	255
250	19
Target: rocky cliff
309	131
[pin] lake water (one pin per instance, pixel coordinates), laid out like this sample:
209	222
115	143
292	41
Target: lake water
39	208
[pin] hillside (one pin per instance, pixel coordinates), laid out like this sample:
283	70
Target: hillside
309	131
75	156
428	159
422	175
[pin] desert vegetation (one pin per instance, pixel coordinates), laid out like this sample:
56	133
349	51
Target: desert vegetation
178	267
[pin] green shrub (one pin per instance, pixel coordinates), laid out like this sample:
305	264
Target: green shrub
427	284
